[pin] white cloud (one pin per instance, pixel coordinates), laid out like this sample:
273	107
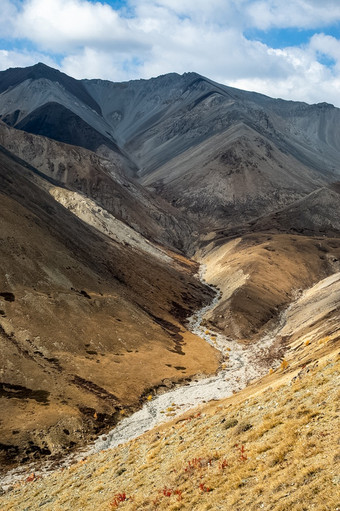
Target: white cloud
8	15
266	14
306	80
62	25
92	40
225	12
98	64
327	46
22	59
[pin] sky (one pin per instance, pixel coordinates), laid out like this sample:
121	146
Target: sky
283	48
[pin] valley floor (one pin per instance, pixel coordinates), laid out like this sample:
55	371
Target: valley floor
274	446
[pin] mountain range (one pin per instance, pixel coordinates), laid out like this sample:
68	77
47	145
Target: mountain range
220	154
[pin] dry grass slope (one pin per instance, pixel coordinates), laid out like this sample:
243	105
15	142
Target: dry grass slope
259	275
274	446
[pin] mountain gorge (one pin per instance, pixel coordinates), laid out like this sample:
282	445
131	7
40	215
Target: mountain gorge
112	195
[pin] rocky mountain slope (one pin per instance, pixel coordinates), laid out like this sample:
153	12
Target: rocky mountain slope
217	152
103	180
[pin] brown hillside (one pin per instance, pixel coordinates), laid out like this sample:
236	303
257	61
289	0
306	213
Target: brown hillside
274	446
87	324
261	274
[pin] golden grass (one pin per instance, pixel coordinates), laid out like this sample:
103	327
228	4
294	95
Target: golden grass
272	448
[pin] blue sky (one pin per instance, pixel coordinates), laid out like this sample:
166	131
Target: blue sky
285	37
287	49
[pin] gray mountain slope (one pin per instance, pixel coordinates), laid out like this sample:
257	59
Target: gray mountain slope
233	177
225	155
55	121
222	154
316	214
159	118
13	77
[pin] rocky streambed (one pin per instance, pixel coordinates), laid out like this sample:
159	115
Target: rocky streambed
240	364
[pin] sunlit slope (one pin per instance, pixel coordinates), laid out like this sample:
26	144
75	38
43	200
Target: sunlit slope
273	446
260	275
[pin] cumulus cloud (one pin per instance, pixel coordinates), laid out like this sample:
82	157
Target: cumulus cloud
8	15
63	25
306	79
21	59
99	64
152	37
327	46
266	14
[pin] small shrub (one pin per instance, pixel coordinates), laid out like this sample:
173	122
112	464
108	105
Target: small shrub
324	340
32	478
167	492
223	464
230	423
117	499
193	464
244	426
284	365
198	463
204	488
179	494
242	449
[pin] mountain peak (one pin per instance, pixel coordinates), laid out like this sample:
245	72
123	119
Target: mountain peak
15	76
